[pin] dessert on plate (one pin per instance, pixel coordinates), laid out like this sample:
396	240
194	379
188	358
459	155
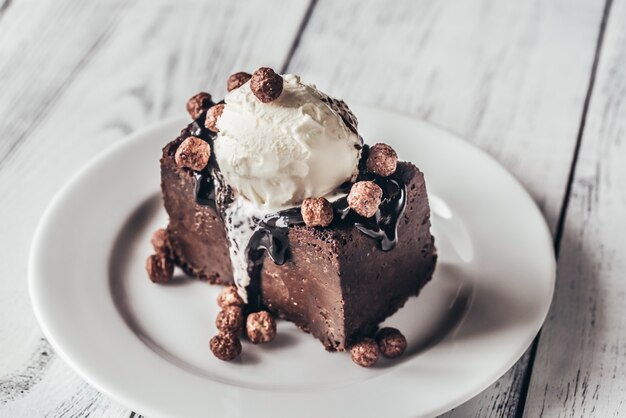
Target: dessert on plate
273	193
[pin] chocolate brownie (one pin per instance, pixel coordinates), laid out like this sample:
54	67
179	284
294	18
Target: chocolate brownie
273	193
336	283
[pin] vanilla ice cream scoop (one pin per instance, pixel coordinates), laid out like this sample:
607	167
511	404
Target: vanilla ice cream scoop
279	153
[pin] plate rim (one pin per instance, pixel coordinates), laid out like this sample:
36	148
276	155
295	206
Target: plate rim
128	139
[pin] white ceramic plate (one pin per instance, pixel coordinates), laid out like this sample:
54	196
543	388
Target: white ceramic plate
146	345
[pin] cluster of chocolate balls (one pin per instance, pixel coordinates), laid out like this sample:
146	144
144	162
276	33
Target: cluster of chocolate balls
364	197
260	327
388	342
193	152
265	84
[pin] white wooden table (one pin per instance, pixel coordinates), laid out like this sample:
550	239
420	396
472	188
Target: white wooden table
538	84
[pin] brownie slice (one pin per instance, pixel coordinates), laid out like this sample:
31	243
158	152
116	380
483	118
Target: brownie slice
336	283
196	232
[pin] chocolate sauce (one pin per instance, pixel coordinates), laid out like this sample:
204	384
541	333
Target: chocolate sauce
271	234
205	189
197	128
270	238
383	225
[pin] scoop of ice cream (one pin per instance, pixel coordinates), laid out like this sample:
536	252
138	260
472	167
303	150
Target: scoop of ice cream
279	153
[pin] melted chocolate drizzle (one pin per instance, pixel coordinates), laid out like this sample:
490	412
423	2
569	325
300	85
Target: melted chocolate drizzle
271	236
383	226
205	183
205	189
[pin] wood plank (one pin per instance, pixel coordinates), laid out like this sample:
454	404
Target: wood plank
580	367
76	77
4	5
509	76
502	399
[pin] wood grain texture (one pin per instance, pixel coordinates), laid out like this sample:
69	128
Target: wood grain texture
509	76
580	367
4	5
76	77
